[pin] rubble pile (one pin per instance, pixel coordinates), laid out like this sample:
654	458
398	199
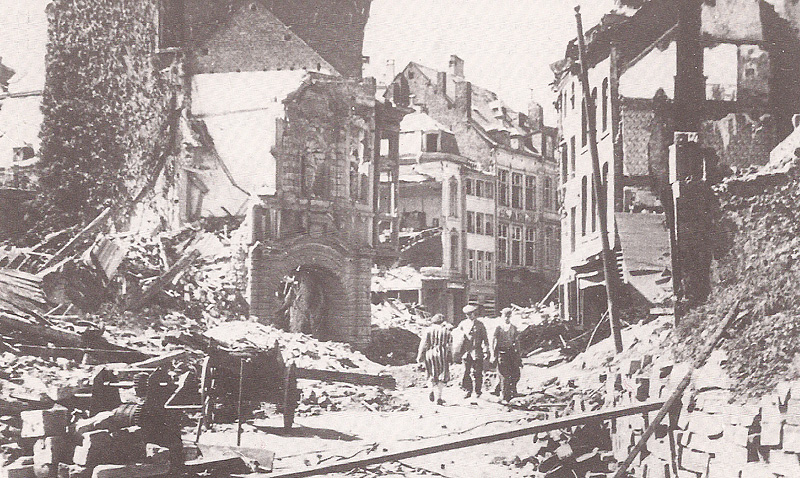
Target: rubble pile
304	350
757	249
335	397
206	292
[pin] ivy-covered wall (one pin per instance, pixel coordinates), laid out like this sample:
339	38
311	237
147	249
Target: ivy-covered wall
109	107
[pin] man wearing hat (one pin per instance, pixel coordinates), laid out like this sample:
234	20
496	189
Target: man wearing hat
505	350
476	343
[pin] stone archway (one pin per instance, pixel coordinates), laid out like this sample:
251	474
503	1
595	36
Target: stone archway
335	281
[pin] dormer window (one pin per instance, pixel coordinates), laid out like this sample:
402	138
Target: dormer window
431	144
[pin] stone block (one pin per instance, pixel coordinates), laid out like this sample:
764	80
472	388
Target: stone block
94	448
139	470
771	433
791	438
156	454
721	468
21	468
44	423
736	435
694	460
51	450
784	464
756	470
73	471
631	366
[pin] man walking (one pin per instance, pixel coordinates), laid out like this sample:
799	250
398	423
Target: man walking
475	344
505	351
435	350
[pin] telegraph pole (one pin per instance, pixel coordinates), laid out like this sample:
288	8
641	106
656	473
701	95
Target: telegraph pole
600	193
691	209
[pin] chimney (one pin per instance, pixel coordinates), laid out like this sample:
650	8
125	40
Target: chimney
441	82
456	66
536	115
463	98
390	74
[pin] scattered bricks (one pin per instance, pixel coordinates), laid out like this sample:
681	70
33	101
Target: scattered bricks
140	470
21	468
44	423
784	464
73	471
791	438
93	449
694	460
707	425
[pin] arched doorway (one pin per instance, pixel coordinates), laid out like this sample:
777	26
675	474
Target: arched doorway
310	298
327	288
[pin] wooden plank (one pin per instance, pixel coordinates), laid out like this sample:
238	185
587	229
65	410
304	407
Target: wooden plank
77	353
63	253
563	422
383	381
48	334
180	265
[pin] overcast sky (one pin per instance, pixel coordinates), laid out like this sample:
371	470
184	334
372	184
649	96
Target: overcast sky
507	45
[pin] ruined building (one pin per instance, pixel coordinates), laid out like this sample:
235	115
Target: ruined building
518	152
266	118
750	67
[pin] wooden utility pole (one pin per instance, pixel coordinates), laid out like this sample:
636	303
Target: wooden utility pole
691	209
600	194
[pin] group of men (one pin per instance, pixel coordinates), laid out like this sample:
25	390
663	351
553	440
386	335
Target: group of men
438	349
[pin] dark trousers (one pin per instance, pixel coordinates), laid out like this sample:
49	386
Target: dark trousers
473	375
509	370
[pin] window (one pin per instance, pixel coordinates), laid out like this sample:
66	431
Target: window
470	222
479	222
503	192
489	190
604	104
593	208
584	203
516	245
431	142
454	199
516	190
572	214
572	156
572	96
502	243
489	229
479	188
489	266
530	246
550	247
468	185
470	264
547	193
479	266
530	193
454	247
584	124
564	162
